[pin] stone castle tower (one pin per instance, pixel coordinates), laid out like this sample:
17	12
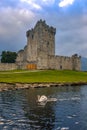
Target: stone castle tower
40	42
39	53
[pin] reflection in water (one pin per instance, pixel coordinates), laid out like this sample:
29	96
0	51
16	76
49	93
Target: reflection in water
19	110
42	103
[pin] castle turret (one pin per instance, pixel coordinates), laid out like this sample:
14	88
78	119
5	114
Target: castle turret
76	62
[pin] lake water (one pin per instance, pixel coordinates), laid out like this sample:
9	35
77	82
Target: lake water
19	109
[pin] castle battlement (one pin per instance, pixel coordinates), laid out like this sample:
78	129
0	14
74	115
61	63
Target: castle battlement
39	25
42	23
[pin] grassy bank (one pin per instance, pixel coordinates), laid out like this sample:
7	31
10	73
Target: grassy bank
43	76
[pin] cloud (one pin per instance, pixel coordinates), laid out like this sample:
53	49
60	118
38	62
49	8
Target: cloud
14	18
71	35
63	3
32	3
38	5
13	27
48	2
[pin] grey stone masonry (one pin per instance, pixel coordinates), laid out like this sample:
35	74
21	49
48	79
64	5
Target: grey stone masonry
39	53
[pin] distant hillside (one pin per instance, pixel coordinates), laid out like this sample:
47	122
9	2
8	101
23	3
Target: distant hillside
84	64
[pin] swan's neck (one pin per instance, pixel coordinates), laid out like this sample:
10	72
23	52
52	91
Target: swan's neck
38	97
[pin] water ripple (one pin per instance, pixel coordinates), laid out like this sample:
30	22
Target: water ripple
19	110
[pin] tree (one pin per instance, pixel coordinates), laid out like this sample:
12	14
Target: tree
8	57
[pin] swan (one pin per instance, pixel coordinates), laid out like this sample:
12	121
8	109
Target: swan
42	98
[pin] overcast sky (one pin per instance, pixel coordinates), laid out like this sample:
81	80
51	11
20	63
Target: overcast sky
69	17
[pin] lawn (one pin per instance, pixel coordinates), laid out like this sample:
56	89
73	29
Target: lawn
56	76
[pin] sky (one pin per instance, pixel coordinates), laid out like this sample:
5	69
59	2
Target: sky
69	17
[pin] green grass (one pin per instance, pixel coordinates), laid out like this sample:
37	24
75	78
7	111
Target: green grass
42	76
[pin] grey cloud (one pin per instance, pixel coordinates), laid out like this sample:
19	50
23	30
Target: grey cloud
13	26
71	35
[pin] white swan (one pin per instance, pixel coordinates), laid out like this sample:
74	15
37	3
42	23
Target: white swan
42	98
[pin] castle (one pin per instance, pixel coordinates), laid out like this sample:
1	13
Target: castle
39	53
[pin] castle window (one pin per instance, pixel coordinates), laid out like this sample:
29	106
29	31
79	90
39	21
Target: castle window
61	67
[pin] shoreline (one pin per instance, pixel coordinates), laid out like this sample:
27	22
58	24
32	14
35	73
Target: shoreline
17	86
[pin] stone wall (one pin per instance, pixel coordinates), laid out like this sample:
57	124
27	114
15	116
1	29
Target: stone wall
63	63
8	66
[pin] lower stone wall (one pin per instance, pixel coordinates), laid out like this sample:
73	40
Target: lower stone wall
8	66
59	62
27	65
50	62
62	62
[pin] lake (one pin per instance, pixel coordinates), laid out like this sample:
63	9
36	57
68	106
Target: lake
19	110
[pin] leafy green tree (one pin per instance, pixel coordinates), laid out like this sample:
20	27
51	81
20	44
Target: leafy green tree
8	57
